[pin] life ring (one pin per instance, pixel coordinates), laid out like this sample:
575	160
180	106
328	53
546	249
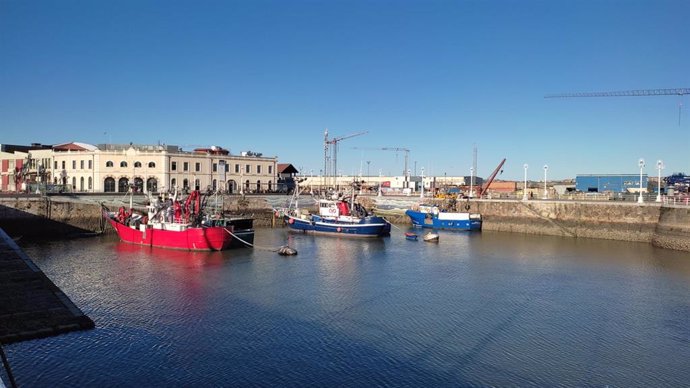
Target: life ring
339	229
291	221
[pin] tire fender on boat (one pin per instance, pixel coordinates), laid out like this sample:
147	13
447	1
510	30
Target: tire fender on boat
339	229
291	221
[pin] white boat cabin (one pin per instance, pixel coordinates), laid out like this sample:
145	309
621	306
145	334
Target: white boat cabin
449	216
340	210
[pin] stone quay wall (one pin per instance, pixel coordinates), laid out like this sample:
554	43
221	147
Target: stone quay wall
665	227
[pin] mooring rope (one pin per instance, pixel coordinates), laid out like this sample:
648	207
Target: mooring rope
393	225
256	246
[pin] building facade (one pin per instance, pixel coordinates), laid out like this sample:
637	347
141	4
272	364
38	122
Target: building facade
79	167
616	183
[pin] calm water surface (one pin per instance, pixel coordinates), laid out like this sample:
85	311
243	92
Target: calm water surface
483	309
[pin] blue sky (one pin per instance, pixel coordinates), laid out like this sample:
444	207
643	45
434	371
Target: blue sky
436	77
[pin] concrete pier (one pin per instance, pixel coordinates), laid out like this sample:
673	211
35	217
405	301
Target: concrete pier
31	305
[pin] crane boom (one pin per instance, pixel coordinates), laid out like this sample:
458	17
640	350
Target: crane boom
334	152
485	187
625	93
397	149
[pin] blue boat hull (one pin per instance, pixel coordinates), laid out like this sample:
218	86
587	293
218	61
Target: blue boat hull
368	227
428	220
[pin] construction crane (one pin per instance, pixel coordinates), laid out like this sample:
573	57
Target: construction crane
625	93
332	160
629	93
396	149
485	186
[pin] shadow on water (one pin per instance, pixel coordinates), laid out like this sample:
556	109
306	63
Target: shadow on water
21	224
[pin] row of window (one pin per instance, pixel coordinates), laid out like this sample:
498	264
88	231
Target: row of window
74	164
197	167
110	185
122	185
124	164
173	166
74	183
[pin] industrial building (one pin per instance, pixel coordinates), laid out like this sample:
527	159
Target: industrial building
616	183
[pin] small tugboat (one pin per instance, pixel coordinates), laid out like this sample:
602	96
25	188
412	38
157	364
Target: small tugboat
429	216
339	216
181	225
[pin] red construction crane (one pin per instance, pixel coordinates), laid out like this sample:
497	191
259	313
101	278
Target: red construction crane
485	186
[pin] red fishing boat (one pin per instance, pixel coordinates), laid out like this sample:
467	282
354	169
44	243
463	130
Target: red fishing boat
181	225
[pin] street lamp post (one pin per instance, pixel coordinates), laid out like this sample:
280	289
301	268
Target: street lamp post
379	193
660	166
546	193
471	180
524	188
641	164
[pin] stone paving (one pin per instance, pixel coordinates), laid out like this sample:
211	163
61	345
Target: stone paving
31	305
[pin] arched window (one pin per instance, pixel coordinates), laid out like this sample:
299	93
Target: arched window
123	164
185	184
246	185
123	185
90	184
173	183
137	164
81	184
258	186
270	186
197	185
215	184
74	184
109	163
232	186
138	185
152	185
152	164
109	185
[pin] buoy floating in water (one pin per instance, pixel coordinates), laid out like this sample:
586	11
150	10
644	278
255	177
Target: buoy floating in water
287	251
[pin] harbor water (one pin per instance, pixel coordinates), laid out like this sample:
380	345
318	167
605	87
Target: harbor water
474	309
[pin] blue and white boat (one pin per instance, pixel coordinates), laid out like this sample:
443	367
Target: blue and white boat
337	217
429	216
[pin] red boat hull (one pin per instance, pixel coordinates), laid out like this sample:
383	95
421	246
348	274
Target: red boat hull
213	238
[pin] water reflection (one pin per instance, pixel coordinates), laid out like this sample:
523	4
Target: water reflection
480	309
